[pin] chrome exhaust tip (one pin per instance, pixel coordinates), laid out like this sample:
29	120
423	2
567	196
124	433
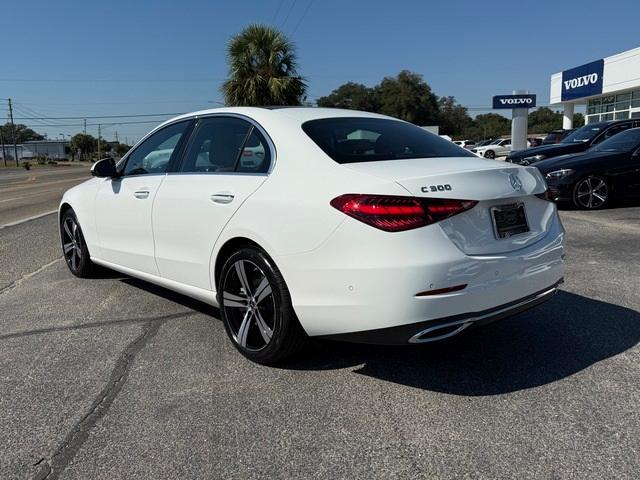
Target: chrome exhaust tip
440	332
454	327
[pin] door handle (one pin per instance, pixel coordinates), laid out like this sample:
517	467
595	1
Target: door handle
222	197
142	194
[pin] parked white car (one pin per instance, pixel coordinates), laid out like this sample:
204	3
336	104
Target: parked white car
468	144
344	225
498	148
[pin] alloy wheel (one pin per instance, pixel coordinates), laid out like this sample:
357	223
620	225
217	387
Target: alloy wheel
71	242
249	305
592	192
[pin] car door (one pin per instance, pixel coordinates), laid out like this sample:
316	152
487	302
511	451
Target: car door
505	147
631	179
227	159
123	204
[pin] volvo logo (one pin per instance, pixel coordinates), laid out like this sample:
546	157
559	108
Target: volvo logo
516	101
515	181
582	81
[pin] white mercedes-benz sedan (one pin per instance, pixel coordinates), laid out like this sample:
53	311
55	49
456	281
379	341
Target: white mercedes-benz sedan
312	222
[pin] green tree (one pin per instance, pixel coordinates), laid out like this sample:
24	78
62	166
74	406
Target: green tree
353	96
408	97
23	133
578	120
122	148
544	120
83	142
454	118
262	69
488	125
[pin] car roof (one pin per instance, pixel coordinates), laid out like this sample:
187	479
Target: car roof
299	114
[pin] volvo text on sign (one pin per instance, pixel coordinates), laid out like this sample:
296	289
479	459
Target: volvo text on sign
514	101
582	81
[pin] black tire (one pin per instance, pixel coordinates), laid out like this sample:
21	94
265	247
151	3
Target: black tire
591	193
490	154
261	323
74	247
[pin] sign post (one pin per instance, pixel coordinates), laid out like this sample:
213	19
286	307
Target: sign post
519	103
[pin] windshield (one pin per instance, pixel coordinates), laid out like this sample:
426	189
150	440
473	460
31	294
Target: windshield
362	139
551	138
584	134
622	142
496	141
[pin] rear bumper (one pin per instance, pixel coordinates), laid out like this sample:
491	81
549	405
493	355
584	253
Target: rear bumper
440	329
361	280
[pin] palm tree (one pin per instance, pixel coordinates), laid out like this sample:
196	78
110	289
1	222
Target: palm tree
262	69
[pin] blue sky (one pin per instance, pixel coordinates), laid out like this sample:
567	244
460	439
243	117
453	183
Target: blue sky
77	58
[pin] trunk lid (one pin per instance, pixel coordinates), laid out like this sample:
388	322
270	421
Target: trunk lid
491	183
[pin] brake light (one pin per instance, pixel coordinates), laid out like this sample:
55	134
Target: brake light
395	214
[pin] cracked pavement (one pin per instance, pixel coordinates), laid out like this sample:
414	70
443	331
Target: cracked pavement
114	378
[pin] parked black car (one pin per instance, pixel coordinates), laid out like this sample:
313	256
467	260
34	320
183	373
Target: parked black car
556	136
577	141
590	179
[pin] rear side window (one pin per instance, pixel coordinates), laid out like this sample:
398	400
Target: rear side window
216	145
226	145
358	139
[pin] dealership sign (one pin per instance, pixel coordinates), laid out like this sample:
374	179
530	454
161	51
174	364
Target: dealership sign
582	81
514	101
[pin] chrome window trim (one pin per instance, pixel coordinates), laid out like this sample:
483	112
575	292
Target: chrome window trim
270	143
251	121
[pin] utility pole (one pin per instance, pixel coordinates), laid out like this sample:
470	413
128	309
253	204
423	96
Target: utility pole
85	126
13	133
4	153
117	136
98	141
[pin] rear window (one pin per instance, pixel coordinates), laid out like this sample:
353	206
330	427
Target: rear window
358	139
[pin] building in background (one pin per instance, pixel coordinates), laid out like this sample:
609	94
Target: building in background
609	88
51	149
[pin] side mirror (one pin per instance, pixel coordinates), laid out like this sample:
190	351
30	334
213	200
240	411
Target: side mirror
105	168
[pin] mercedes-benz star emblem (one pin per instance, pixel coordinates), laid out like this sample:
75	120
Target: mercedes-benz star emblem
515	181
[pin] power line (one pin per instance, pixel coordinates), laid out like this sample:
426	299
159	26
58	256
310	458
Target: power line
304	14
103	116
293	4
91	124
275	15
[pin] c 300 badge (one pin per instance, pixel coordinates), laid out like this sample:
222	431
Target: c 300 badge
437	188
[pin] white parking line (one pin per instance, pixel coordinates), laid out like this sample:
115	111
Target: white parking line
28	219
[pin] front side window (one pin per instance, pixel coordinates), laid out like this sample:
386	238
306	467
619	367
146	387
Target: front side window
623	142
361	139
226	145
154	154
613	131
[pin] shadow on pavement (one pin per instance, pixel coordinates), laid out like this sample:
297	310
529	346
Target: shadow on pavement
555	340
564	336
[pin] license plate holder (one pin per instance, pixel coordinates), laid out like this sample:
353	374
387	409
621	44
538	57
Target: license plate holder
509	220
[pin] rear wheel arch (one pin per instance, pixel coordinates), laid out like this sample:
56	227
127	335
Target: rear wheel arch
227	249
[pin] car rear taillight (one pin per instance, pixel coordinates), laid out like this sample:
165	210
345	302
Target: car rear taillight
395	214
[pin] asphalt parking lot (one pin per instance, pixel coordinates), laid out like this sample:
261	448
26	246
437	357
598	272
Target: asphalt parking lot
115	378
